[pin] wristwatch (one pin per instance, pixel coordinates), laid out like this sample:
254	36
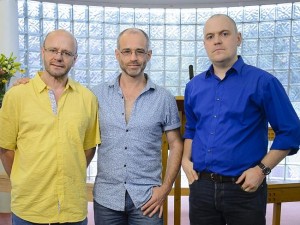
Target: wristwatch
265	170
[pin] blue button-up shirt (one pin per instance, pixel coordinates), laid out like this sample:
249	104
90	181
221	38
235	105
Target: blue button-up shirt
228	119
129	157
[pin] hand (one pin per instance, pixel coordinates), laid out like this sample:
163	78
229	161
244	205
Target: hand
190	173
156	202
251	179
19	81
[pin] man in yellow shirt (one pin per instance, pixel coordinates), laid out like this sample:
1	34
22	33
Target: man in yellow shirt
49	131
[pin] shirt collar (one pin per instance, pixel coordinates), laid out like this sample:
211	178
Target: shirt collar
42	86
237	66
149	84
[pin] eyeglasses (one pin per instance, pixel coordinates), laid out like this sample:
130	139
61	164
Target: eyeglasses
63	53
138	52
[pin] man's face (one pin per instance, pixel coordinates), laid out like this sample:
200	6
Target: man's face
59	54
221	40
133	54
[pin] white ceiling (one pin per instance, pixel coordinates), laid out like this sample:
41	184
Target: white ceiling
170	3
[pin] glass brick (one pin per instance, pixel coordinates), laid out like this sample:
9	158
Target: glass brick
173	32
126	15
157	77
292	172
34	59
157	63
250	30
185	78
172	47
236	13
199	35
65	25
34	43
294	93
96	14
21	25
250	59
96	30
111	31
157	32
293	159
109	46
110	62
110	75
284	11
282	76
172	16
142	16
188	16
64	12
95	62
22	43
172	78
80	76
82	45
296	27
281	61
266	46
158	47
249	46
266	29
265	62
21	10
221	10
188	32
282	45
186	62
125	26
49	10
33	26
200	50
277	173
174	90
295	61
95	77
295	77
203	15
202	64
187	48
111	15
251	13
267	12
96	46
48	26
80	13
296	10
157	16
145	28
80	29
181	93
32	71
172	63
296	106
81	62
34	9
283	28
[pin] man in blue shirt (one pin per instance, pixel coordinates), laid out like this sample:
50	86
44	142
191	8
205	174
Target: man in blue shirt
134	112
228	108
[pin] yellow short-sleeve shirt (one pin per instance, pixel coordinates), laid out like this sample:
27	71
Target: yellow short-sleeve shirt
48	176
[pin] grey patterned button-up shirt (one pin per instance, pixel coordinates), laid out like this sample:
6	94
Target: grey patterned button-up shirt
129	157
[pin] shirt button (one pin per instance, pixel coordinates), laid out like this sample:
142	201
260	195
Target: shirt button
125	165
215	116
208	150
123	114
125	147
127	130
217	99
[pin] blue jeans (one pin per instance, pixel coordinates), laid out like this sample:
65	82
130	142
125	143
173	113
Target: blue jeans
131	215
214	203
18	221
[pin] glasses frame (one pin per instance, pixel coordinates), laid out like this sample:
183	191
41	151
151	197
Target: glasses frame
63	53
139	52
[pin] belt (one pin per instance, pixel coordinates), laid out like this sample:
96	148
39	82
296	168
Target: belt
216	177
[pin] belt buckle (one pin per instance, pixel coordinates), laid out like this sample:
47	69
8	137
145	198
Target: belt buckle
212	177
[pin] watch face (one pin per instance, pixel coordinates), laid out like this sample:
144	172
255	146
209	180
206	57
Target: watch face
266	171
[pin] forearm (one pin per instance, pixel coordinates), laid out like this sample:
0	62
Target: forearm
7	158
89	154
174	159
274	157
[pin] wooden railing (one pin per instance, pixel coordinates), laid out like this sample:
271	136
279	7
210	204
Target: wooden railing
278	192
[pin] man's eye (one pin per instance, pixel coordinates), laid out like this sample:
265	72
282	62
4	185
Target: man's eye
52	50
140	51
126	51
67	53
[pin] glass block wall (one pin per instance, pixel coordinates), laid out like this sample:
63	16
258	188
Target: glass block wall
271	40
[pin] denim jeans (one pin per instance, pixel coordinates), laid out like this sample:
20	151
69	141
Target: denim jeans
18	221
214	203
131	215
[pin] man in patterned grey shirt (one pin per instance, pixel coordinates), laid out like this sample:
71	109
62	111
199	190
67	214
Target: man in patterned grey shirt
134	112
